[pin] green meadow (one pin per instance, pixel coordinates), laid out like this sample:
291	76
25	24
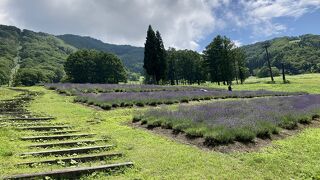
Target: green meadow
160	157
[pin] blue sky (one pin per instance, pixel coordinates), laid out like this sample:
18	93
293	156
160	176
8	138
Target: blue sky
306	24
294	18
184	24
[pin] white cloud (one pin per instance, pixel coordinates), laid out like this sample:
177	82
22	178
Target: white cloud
237	43
260	14
182	23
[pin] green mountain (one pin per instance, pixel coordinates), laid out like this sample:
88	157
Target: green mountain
28	57
299	54
131	56
31	56
9	47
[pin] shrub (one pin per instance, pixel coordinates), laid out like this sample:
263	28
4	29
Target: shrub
167	124
219	135
180	126
184	100
244	134
194	132
136	119
90	102
139	104
105	106
52	88
144	121
154	123
304	120
128	104
315	116
168	102
152	104
115	105
289	122
195	99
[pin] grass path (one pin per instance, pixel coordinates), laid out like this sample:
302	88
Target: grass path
6	93
159	157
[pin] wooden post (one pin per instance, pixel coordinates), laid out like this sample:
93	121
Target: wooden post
283	74
269	64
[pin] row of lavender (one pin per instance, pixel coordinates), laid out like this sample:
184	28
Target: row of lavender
73	89
128	99
237	120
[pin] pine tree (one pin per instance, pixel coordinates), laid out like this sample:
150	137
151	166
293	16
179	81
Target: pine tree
150	55
213	58
171	59
155	62
161	59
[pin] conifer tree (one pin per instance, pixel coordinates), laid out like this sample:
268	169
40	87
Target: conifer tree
161	59
150	55
155	62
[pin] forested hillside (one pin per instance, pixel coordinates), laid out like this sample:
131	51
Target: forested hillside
299	54
9	45
27	57
131	56
41	57
34	57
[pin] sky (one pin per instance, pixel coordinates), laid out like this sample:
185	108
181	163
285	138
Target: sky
183	24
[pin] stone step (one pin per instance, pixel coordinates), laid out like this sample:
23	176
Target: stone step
60	132
31	119
19	124
70	172
64	136
66	151
43	128
66	143
70	159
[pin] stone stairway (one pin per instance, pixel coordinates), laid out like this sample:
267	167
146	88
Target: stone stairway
52	143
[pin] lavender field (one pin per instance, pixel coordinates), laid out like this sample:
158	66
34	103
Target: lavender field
241	120
116	99
72	88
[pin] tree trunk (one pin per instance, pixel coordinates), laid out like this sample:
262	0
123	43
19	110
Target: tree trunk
283	74
269	65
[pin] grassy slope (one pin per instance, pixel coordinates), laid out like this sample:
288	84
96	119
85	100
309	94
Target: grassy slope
158	157
7	93
303	83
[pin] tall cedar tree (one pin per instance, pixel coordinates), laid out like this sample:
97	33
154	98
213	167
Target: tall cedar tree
213	57
161	59
155	63
150	54
171	73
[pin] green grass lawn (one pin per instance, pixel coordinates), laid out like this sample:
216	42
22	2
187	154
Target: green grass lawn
6	93
159	157
300	83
